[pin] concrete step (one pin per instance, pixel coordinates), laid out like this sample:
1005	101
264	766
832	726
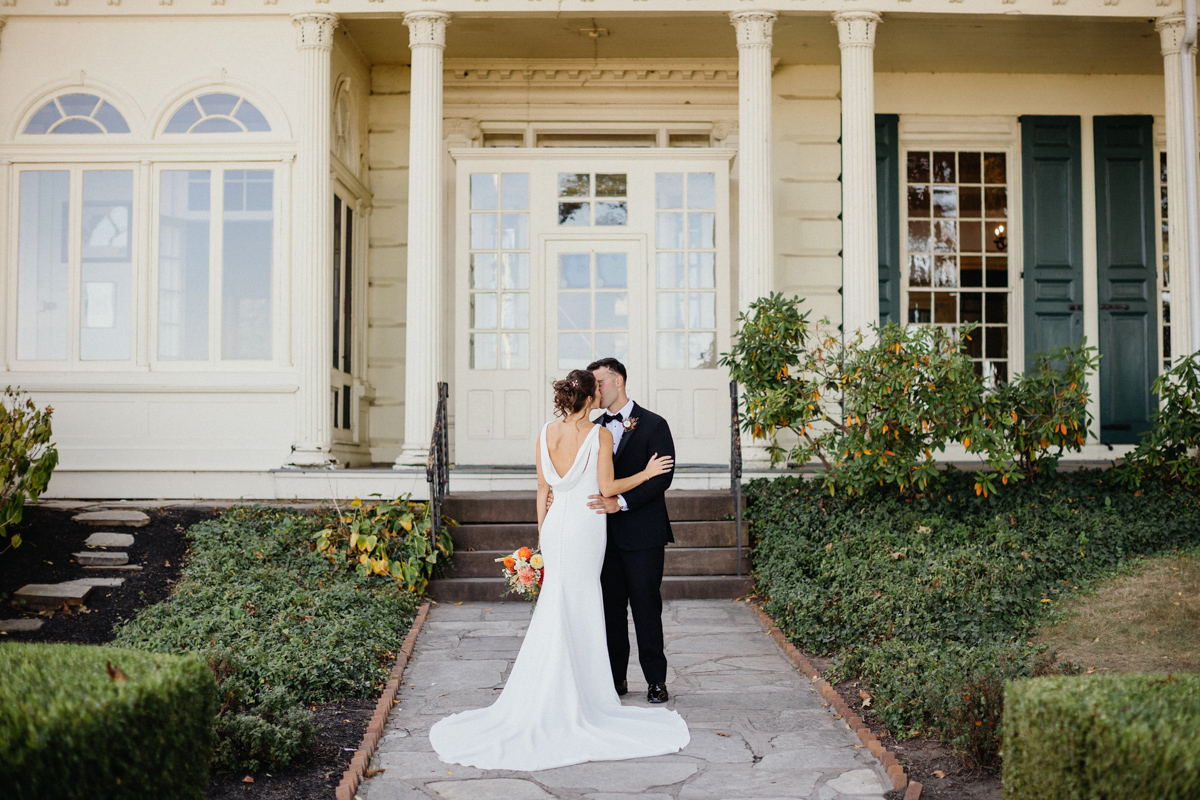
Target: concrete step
120	517
510	536
101	558
679	561
109	539
117	567
21	625
494	507
487	590
53	595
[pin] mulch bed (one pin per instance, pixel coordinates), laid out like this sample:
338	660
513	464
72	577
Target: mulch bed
50	537
920	756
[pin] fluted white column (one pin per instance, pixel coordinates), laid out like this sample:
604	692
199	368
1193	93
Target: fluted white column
1170	31
860	234
311	253
756	230
427	40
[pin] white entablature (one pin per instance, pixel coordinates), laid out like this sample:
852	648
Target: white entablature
368	8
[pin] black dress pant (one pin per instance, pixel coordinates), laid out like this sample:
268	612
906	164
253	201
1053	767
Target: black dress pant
631	578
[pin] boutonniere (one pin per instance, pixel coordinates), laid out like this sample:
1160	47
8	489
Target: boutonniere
630	424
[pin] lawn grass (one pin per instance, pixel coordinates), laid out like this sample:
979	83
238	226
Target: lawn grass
1144	621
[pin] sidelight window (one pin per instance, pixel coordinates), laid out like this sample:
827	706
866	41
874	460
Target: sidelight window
686	297
499	271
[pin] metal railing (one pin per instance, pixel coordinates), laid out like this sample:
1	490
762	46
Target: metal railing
437	464
735	467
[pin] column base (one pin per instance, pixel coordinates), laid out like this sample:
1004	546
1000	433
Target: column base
312	458
412	456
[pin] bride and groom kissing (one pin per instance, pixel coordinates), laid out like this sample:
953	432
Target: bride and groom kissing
602	529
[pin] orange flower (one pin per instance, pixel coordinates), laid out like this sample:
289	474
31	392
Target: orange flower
524	553
509	563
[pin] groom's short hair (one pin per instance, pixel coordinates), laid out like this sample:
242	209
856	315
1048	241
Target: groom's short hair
611	363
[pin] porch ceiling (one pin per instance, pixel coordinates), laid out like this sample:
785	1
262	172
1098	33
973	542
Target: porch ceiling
904	43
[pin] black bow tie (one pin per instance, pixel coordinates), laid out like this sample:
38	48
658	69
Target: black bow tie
607	418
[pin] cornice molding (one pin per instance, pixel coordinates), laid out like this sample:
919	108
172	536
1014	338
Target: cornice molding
709	72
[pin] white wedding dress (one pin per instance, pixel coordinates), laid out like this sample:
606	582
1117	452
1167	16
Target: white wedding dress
559	706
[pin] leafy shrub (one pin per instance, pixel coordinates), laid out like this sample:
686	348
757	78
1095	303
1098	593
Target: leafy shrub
301	626
904	396
71	728
1103	736
386	539
932	599
27	458
256	727
1171	450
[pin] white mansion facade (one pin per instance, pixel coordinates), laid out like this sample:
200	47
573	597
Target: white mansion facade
241	241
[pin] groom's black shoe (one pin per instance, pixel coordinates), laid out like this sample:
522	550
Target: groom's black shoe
658	693
622	688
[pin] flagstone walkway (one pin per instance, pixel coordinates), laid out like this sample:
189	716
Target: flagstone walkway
758	729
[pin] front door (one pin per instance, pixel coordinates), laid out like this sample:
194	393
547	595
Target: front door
565	257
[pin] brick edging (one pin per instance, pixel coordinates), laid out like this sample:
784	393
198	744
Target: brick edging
357	770
894	769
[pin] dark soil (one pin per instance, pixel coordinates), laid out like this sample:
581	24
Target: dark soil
921	756
50	537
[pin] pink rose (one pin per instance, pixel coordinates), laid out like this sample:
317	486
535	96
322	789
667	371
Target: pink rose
525	576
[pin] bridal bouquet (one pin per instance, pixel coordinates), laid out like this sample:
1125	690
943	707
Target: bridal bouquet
524	571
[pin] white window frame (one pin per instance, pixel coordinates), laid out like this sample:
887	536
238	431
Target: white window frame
993	134
358	198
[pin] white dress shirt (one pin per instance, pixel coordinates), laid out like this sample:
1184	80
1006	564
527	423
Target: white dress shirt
617	429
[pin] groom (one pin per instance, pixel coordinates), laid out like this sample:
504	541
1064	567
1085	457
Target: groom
638	532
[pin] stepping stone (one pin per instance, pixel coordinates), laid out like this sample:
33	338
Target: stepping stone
107	583
120	567
101	558
20	625
128	518
109	539
53	595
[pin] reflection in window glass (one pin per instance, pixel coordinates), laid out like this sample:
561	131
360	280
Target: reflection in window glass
77	113
685	235
957	243
218	112
499	241
247	255
577	199
183	257
1164	279
43	263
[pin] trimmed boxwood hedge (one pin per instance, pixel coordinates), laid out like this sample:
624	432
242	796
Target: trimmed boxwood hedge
1102	736
70	730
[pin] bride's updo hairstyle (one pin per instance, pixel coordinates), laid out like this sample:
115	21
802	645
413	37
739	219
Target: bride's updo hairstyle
572	392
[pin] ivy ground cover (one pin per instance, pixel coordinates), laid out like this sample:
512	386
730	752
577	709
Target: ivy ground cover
932	599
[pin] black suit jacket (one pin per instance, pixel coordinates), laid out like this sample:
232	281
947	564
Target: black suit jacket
645	524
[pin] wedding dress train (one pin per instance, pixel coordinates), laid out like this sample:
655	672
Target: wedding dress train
559	706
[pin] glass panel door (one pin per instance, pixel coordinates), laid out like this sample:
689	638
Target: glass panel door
592	308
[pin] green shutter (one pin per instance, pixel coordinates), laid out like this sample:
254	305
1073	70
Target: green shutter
1126	273
1052	218
887	200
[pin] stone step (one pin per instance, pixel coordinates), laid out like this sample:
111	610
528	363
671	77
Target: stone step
109	539
27	625
106	583
493	507
127	517
510	536
679	561
101	558
118	567
53	595
706	587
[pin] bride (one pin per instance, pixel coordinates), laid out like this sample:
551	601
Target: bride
559	706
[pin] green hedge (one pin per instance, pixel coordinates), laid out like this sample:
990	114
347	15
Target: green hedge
1110	736
69	730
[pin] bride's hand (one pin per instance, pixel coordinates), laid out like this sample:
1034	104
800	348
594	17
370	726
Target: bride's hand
659	465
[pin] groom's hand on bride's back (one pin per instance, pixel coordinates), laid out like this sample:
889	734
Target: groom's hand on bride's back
602	504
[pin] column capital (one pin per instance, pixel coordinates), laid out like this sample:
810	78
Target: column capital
856	28
314	30
427	28
753	27
1170	33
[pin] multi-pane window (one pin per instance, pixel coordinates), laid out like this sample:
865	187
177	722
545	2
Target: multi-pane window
593	307
218	112
1164	276
586	198
204	255
957	248
499	271
685	270
75	265
343	313
77	113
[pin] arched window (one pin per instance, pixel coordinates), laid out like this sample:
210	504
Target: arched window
77	113
343	132
218	112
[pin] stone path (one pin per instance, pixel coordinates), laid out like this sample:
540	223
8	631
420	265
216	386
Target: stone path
758	728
